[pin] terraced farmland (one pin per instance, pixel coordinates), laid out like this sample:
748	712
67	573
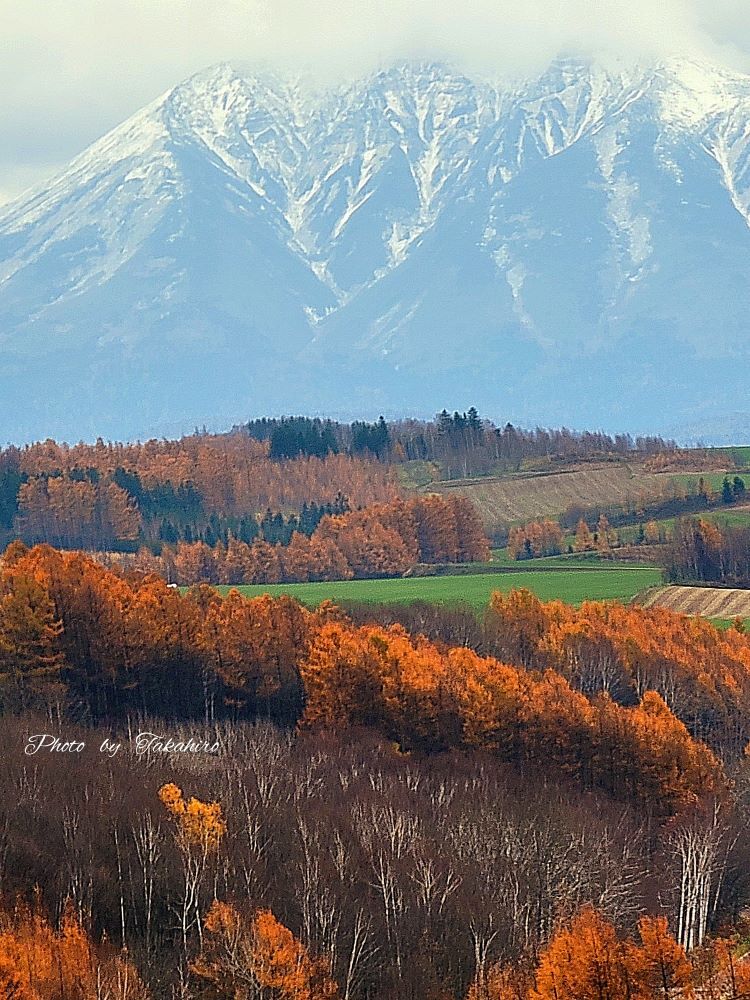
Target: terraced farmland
708	602
504	500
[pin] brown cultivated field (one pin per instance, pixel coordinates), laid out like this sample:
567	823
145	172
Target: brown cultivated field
709	602
504	500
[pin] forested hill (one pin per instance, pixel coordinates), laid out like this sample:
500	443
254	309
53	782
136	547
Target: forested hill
265	479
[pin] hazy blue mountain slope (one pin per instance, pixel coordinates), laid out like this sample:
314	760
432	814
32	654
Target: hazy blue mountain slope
572	248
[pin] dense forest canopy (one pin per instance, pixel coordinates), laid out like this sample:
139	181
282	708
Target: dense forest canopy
404	803
464	443
210	487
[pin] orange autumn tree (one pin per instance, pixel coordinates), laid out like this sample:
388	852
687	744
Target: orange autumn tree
29	629
378	540
232	472
38	962
241	959
584	960
254	647
422	694
199	830
700	672
721	972
502	982
72	512
473	544
537	538
124	636
658	967
282	963
648	753
199	824
605	537
584	539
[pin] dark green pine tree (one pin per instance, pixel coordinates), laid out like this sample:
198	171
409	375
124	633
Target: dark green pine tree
383	438
248	529
168	533
10	484
444	423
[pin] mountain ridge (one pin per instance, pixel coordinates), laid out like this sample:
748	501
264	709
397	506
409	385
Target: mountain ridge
546	248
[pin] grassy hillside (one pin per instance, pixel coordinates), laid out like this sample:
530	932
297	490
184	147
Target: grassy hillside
722	516
571	585
691	480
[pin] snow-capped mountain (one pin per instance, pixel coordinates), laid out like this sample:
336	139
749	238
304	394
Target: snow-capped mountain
571	248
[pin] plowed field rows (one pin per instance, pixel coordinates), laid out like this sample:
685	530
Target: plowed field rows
504	500
710	602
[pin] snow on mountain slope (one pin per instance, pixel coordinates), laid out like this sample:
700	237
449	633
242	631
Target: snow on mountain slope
573	247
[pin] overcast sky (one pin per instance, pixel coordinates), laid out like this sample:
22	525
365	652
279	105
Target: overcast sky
72	69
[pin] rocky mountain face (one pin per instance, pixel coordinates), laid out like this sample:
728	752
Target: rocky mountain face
572	248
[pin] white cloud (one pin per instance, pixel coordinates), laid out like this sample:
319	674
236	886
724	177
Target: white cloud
71	69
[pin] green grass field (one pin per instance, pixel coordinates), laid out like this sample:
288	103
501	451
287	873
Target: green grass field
724	623
573	586
731	517
690	480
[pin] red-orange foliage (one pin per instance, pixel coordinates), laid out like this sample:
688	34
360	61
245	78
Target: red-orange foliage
584	540
537	538
117	637
722	973
377	541
586	960
199	824
702	674
29	627
421	694
583	961
232	472
213	486
76	513
253	645
502	982
242	958
38	962
658	967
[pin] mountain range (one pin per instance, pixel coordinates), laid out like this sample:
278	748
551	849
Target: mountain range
572	248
